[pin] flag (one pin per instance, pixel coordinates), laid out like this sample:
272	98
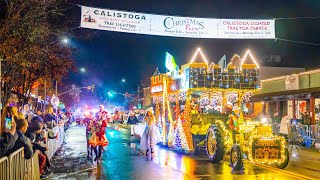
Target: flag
223	62
170	62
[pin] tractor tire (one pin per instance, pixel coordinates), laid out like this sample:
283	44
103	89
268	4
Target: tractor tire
236	160
286	161
215	144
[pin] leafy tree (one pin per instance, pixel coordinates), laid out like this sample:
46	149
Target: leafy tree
30	47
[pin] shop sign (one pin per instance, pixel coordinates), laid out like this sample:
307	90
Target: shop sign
266	149
176	26
292	82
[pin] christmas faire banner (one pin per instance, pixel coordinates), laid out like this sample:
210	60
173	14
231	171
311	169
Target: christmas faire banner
175	26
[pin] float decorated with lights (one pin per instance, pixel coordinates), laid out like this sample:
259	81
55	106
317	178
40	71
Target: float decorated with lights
198	106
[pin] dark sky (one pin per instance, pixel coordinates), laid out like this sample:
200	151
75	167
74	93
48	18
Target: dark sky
110	56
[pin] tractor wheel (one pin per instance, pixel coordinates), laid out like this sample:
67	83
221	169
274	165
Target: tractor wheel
215	144
236	160
286	161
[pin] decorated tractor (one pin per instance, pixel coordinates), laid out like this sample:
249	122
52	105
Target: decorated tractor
245	139
195	110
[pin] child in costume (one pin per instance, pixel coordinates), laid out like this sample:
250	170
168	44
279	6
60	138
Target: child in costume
98	139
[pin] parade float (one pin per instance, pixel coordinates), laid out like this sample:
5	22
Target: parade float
198	107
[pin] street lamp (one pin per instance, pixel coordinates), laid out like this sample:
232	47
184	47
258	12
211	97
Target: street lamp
110	93
123	80
82	69
65	40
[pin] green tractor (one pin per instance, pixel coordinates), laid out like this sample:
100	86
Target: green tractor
252	140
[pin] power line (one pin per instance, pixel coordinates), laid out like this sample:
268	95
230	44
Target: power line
301	17
299	42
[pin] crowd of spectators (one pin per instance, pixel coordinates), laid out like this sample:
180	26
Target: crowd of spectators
30	130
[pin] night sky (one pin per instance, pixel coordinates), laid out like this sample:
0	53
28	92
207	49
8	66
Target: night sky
110	56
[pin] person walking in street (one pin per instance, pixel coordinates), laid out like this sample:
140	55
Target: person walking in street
99	139
87	121
148	139
101	110
132	121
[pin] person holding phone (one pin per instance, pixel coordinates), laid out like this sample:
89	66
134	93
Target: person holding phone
8	138
22	141
8	134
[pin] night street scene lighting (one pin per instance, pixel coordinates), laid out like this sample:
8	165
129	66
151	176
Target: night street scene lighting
142	91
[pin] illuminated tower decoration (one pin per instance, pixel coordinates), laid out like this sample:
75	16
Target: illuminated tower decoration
234	74
238	75
250	72
156	83
198	72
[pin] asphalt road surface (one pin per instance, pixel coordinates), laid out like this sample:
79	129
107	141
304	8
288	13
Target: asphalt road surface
122	160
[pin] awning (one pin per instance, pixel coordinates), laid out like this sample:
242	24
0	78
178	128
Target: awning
287	95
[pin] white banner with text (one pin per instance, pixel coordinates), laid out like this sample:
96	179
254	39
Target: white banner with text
175	26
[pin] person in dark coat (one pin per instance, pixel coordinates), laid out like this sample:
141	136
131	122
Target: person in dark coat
22	141
33	133
49	118
8	139
132	120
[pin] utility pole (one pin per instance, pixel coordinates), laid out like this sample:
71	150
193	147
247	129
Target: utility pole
56	88
138	94
1	105
45	95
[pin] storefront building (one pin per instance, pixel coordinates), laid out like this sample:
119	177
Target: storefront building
295	95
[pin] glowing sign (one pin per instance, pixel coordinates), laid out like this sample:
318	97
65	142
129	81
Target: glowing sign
155	89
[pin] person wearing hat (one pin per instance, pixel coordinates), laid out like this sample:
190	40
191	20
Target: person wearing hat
99	113
148	139
98	139
132	121
235	119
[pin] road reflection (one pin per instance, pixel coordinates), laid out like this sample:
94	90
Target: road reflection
124	150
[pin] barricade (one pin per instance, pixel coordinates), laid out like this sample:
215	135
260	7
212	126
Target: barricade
54	144
4	170
16	167
315	133
299	134
21	168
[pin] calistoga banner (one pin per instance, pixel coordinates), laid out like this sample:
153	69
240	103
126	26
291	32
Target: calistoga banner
176	26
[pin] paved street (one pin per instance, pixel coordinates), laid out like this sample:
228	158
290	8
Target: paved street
121	160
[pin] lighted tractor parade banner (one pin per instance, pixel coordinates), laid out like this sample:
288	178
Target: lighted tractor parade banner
176	26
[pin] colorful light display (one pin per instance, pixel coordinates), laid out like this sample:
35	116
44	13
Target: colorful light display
220	86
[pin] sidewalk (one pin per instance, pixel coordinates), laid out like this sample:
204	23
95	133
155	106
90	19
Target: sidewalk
70	160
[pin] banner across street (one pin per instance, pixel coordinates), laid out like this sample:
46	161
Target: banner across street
176	26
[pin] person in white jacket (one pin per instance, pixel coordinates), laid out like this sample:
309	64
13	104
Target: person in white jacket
285	122
149	137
